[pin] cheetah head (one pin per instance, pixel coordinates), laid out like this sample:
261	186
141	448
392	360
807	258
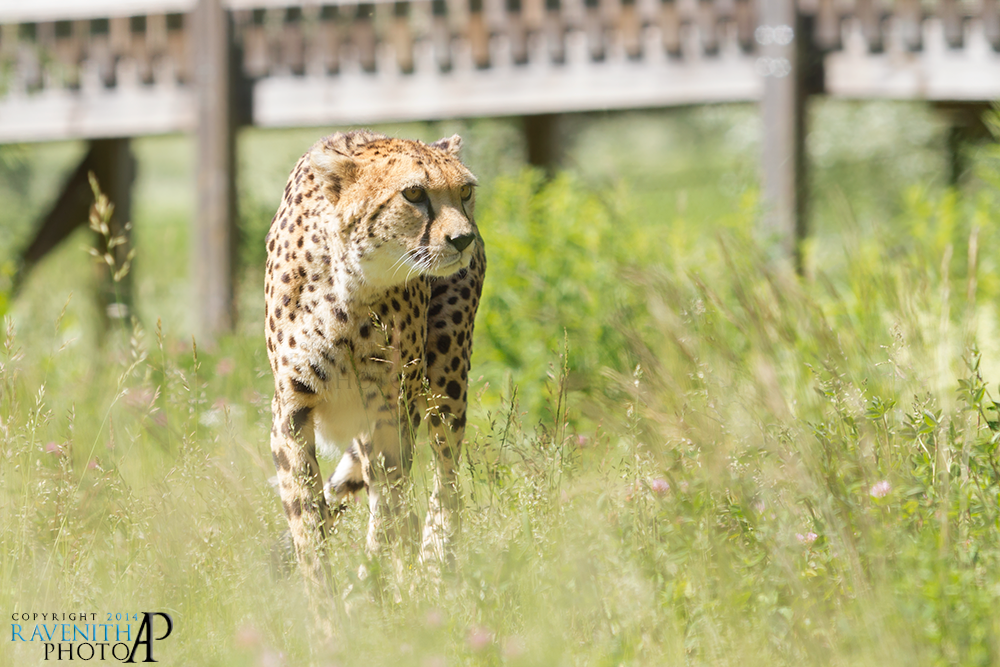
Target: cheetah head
404	207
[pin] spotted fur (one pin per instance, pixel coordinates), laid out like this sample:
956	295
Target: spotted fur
374	272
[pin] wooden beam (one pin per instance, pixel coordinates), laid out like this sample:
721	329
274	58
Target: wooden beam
782	48
214	235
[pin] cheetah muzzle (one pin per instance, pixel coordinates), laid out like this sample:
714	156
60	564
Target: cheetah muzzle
374	272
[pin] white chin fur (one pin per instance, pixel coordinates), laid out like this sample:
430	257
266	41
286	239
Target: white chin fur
388	270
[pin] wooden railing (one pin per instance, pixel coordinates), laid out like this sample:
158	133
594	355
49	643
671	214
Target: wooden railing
109	68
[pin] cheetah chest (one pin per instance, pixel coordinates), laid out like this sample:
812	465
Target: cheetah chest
375	375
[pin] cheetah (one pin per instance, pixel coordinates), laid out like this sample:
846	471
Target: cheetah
374	274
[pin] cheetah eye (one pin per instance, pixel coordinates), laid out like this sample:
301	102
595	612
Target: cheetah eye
415	195
466	192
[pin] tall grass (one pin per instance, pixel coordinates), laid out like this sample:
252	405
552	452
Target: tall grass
679	453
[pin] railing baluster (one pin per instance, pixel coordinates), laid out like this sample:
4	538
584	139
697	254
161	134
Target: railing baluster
478	35
555	31
67	51
629	26
362	35
828	26
670	27
991	22
101	60
402	36
441	34
951	20
706	23
870	17
178	47
45	35
909	18
292	42
516	31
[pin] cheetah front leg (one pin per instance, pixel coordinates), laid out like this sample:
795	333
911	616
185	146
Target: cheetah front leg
385	467
293	448
452	313
443	523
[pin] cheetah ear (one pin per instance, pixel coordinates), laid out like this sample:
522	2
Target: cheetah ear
452	144
336	170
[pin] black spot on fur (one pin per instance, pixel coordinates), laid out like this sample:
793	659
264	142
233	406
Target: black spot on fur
444	343
281	461
454	390
319	371
349	486
302	387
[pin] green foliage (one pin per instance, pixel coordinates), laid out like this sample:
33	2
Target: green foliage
562	259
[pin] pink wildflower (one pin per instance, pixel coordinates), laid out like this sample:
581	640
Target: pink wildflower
806	539
881	489
479	638
248	637
659	486
512	648
53	448
434	619
271	658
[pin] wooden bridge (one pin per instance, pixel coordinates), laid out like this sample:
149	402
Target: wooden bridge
107	70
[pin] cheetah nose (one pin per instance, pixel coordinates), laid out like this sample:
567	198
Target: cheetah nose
462	242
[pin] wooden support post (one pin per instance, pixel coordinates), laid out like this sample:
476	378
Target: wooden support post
214	236
541	136
114	168
783	44
966	125
111	162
